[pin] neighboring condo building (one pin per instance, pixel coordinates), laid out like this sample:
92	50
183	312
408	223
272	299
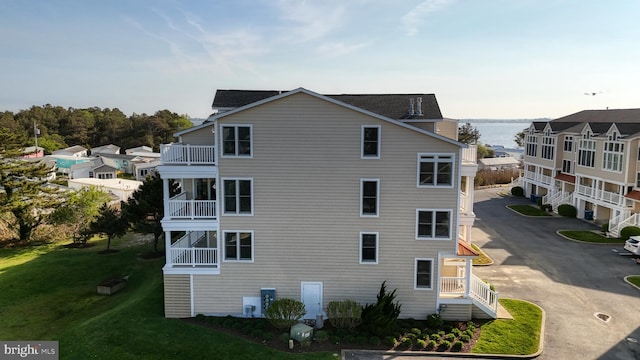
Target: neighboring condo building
590	160
319	198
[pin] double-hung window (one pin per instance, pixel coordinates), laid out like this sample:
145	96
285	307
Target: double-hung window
423	274
368	248
435	170
433	224
568	143
238	245
237	140
369	197
370	142
566	166
238	196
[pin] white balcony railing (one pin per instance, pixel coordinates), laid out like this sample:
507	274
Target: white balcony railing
470	154
482	293
185	154
452	285
192	209
194	256
602	195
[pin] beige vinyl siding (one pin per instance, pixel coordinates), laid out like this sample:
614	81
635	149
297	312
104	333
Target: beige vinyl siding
177	296
448	128
306	170
454	312
477	313
202	136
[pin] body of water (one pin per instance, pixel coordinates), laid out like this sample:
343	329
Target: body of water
499	132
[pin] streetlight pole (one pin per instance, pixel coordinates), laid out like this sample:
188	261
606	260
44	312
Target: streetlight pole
36	132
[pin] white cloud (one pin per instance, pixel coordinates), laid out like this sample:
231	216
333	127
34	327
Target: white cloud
312	19
411	21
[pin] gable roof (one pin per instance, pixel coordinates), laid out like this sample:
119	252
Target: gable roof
334	101
602	116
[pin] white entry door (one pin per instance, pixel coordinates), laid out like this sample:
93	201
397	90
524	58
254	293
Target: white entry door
312	298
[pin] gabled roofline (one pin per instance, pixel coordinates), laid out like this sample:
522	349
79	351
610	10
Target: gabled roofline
330	100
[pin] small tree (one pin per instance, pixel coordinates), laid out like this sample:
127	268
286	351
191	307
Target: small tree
145	208
80	209
282	313
109	222
519	138
468	134
381	318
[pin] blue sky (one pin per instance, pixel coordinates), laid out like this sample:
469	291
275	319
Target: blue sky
482	58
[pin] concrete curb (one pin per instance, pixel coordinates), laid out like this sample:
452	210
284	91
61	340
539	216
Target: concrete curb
584	242
377	354
551	216
626	279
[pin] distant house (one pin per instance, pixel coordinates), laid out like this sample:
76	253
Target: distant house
76	151
106	149
138	149
120	188
144	169
122	163
63	163
498	163
100	168
33	152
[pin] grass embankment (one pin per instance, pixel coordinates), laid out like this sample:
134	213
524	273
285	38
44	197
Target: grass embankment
520	336
528	210
483	259
49	293
590	236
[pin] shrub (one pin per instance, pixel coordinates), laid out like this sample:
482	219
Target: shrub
361	340
322	336
282	313
517	191
390	341
374	340
237	325
567	210
546	207
350	339
465	338
444	345
407	343
345	314
628	231
469	332
434	321
431	345
268	336
471	326
257	333
382	317
416	331
605	228
457	346
449	337
435	337
285	337
228	323
421	343
335	339
456	331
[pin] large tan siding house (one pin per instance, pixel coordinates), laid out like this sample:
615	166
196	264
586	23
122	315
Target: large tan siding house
589	159
319	198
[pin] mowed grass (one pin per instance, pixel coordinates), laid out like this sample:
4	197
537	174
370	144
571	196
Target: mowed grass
482	259
528	210
590	236
49	293
520	336
635	280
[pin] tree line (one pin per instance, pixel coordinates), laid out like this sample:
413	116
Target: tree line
91	127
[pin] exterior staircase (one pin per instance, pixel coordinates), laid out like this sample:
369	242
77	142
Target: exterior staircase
625	219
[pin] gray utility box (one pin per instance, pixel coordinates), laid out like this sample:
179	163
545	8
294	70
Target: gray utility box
301	332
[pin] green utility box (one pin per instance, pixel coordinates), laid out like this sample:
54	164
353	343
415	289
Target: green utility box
301	332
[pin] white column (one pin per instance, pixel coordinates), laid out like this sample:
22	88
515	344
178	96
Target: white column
467	277
167	246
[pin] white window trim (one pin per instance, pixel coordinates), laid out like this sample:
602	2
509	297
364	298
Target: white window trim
368	157
368	262
453	169
236	156
224	246
237	213
434	210
377	214
613	154
415	273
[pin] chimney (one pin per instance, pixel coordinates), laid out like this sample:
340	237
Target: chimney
411	106
419	103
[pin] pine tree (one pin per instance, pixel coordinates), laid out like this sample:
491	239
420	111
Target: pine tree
109	222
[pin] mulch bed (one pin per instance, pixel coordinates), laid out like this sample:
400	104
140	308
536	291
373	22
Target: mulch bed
246	328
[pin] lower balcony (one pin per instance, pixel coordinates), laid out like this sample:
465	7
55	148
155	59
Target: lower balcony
193	251
182	208
478	292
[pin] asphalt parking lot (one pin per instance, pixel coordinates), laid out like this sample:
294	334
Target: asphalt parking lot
591	313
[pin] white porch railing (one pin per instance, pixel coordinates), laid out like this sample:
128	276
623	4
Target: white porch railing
623	221
537	177
187	154
470	154
194	256
482	293
452	285
601	195
181	208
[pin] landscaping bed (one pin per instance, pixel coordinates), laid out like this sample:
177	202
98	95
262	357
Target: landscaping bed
414	335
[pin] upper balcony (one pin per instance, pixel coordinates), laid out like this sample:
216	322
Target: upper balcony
469	161
185	154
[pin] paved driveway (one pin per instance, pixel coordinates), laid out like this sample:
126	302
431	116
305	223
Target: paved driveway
571	281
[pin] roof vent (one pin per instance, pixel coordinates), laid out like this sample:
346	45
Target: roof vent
411	106
419	109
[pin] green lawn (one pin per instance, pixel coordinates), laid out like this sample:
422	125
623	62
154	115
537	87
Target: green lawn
483	259
529	210
635	280
49	293
590	236
520	336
